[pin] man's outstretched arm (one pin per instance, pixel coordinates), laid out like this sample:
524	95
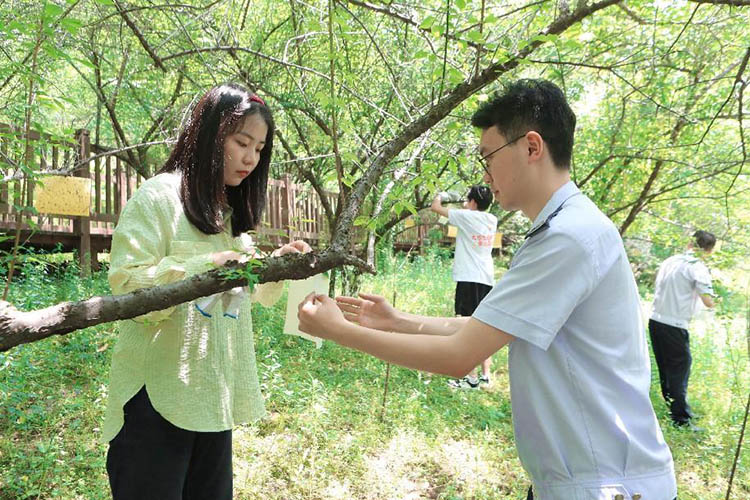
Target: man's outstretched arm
374	311
454	354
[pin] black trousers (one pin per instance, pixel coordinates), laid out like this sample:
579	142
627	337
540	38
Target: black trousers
151	459
671	347
468	296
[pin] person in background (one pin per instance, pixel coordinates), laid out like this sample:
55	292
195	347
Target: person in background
682	283
473	271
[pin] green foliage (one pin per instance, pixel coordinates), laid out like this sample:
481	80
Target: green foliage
324	437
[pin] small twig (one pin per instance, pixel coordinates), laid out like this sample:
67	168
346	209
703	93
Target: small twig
739	447
158	62
445	48
387	374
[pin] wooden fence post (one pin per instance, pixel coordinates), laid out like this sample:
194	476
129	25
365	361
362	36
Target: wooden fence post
82	224
287	207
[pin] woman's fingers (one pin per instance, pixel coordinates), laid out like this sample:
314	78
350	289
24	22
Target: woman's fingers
301	245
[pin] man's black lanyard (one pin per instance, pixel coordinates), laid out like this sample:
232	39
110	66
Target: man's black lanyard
545	226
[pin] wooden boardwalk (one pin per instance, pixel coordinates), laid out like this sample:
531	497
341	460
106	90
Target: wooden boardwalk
292	210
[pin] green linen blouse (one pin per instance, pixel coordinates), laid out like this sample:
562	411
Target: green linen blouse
200	373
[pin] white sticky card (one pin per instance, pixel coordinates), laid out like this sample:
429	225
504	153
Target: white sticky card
298	290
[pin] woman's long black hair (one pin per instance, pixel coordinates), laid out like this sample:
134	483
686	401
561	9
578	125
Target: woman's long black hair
199	155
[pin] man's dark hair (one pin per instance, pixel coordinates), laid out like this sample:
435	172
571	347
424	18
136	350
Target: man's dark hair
705	240
199	155
481	195
527	105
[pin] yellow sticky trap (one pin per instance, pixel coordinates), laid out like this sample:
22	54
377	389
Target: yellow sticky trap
498	242
409	222
62	195
452	231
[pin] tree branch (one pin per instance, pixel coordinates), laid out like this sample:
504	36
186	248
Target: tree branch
395	15
22	327
736	3
140	37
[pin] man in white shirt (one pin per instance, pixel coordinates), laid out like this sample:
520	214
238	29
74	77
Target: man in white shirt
568	308
682	281
473	271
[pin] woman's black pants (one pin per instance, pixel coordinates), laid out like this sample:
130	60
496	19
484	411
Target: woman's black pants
151	459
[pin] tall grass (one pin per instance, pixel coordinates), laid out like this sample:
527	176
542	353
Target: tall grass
324	437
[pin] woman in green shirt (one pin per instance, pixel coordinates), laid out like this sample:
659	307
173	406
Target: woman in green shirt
182	377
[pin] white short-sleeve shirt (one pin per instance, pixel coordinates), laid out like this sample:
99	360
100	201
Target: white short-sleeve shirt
579	366
476	233
679	282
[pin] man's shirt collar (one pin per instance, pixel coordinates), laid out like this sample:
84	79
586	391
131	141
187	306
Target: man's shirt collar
559	197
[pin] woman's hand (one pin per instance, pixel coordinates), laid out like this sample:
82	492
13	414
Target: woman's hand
297	246
221	258
320	316
371	311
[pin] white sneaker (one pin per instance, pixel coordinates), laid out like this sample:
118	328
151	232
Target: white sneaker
464	383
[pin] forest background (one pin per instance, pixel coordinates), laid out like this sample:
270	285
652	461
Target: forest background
372	100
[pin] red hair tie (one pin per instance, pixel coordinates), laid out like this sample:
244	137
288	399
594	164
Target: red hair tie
257	99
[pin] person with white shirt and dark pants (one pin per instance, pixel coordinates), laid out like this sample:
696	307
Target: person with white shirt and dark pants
682	283
473	270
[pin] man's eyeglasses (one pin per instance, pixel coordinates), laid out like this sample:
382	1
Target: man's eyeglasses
483	159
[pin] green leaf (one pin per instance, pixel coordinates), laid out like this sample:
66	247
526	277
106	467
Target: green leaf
428	22
361	220
475	36
85	62
71	25
23	28
460	4
53	52
349	180
51	10
454	76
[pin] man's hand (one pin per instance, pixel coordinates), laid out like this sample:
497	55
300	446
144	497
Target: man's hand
708	300
437	201
319	316
370	311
